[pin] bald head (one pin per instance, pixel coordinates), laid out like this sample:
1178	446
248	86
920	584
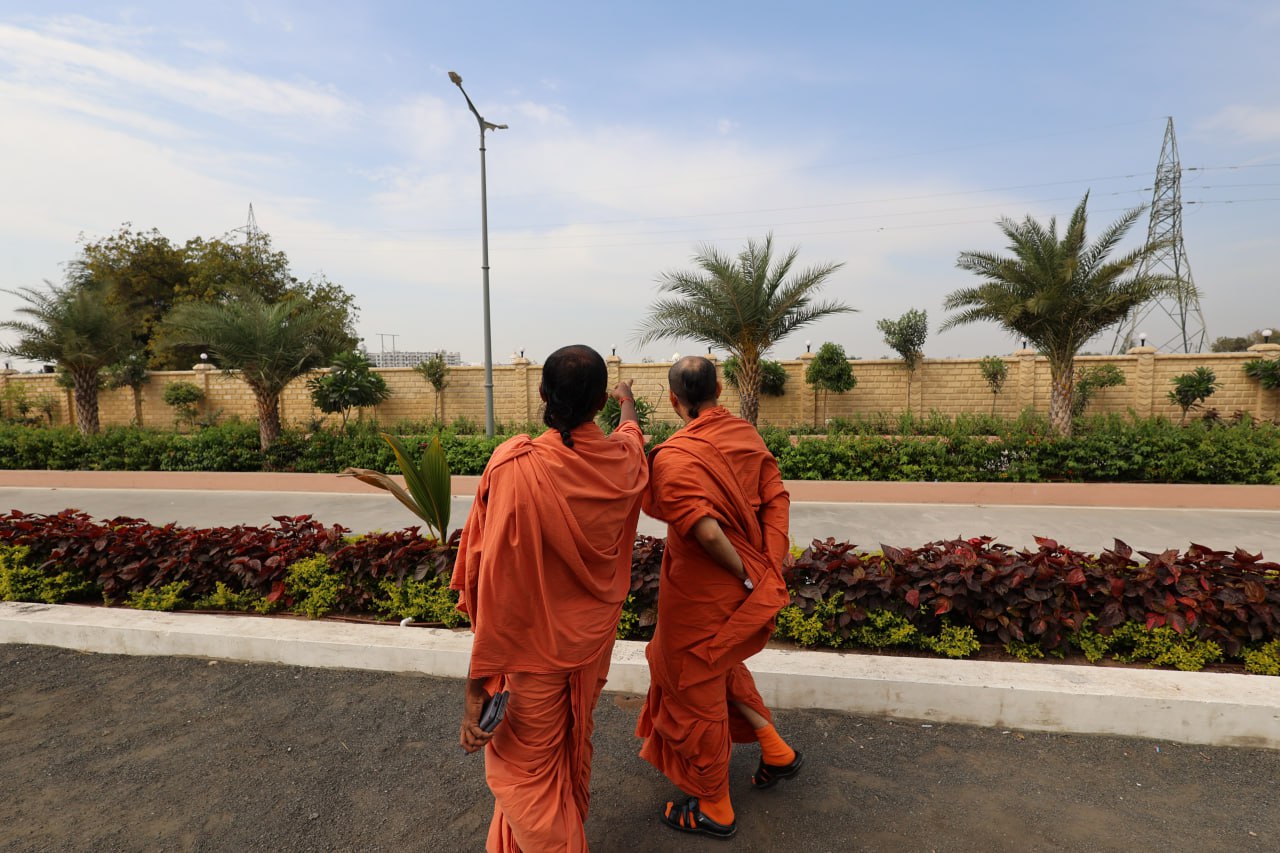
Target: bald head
693	381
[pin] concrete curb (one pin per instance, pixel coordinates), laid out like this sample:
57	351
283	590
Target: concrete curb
1219	709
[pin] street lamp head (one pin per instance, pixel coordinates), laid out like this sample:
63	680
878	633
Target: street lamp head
1142	339
457	80
1266	336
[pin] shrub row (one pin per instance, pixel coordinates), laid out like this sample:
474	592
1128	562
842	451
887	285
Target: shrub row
1104	449
947	597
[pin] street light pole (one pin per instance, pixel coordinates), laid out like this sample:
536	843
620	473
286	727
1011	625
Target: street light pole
484	256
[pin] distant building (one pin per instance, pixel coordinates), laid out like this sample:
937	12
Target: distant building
412	359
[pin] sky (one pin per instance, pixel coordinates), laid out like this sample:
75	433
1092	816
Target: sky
888	137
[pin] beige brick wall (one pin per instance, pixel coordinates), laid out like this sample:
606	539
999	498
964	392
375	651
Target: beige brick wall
949	386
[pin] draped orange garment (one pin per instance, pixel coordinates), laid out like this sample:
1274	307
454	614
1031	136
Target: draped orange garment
708	623
543	568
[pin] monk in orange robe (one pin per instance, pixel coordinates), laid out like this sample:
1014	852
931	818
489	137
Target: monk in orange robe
718	489
543	568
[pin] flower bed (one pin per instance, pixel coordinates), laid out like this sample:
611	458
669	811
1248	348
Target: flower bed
948	597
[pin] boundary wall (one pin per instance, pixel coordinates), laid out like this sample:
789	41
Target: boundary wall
950	386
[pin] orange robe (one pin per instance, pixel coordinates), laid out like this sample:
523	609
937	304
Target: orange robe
708	623
543	568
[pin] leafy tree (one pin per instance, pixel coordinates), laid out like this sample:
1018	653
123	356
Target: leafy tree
744	304
1241	344
143	273
436	371
1089	381
349	384
79	329
773	376
1057	292
130	373
1192	389
829	372
270	344
995	371
906	336
148	275
184	398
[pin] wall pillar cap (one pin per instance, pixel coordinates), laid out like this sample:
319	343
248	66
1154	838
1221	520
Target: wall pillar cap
1141	351
1265	348
612	359
520	361
202	366
805	356
1026	353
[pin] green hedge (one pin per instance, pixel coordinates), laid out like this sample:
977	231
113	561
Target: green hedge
1103	449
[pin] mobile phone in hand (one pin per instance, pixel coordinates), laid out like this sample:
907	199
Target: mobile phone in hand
494	709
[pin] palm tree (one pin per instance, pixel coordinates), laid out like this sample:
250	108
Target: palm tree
270	344
744	305
77	328
1057	293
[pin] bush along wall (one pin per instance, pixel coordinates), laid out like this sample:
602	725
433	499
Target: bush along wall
1104	449
1180	609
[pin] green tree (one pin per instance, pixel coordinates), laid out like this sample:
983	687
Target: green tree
143	273
744	304
148	275
436	371
130	373
270	344
1192	389
995	371
829	372
349	384
1241	344
79	329
1089	381
1057	292
906	336
184	398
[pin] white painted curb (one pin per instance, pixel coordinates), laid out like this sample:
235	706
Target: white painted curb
1219	709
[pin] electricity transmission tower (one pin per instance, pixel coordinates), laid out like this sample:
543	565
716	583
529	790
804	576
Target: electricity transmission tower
1173	321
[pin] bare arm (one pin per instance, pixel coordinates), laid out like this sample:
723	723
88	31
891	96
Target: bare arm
472	737
712	539
626	402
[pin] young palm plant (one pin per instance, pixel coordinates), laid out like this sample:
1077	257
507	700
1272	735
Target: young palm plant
429	484
76	327
1057	292
270	344
744	304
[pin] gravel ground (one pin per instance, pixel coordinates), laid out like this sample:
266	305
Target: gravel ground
104	752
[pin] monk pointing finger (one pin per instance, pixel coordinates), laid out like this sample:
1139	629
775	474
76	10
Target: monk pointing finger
543	568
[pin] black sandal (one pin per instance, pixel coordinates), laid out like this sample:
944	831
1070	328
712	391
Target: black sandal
687	817
768	775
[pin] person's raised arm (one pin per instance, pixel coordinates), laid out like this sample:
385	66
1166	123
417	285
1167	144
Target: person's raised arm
626	402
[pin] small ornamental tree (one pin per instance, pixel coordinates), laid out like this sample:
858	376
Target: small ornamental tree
349	384
1089	381
995	371
436	372
1192	389
184	398
829	371
906	336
